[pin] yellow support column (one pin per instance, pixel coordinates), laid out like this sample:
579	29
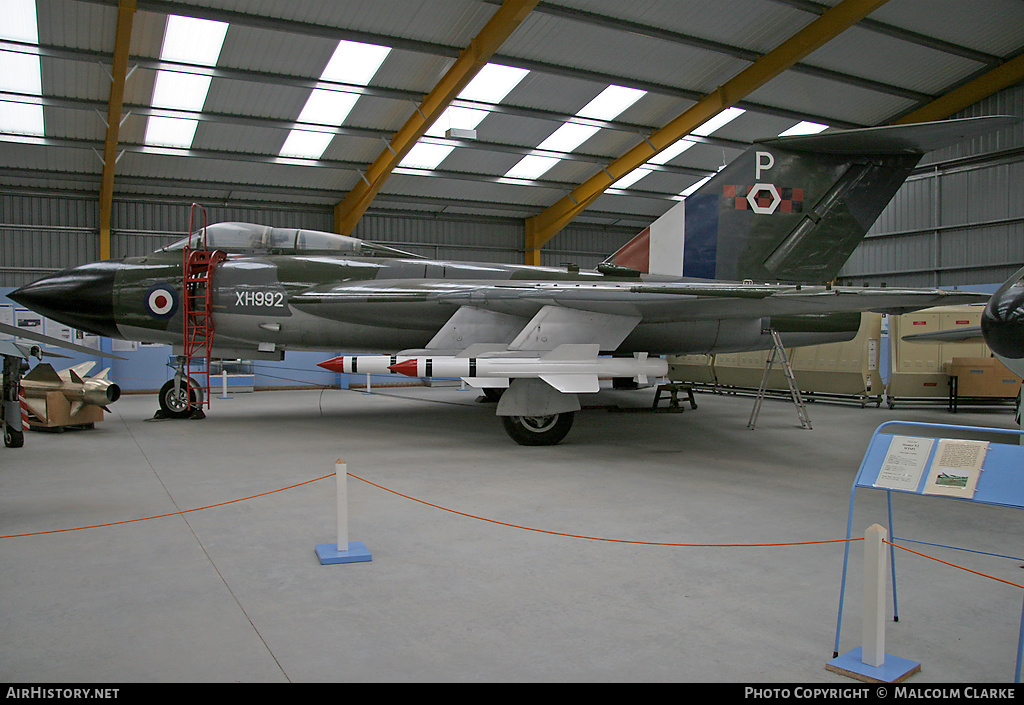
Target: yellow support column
118	74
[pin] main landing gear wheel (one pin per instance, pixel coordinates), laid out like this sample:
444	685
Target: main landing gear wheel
13	438
538	430
179	403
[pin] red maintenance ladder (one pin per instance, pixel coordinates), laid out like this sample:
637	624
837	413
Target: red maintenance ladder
198	263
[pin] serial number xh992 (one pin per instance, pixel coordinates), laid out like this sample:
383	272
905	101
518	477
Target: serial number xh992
245	300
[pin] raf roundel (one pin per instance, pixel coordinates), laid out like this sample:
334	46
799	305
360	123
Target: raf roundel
161	302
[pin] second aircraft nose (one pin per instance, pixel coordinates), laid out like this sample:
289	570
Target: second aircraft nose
81	297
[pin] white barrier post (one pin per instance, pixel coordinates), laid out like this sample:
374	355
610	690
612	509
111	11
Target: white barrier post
873	617
223	384
341	480
344	551
869	662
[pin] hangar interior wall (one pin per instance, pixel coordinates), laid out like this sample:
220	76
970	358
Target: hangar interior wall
959	220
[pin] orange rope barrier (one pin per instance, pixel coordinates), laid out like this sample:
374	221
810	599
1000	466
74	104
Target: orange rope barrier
499	523
595	538
170	514
952	565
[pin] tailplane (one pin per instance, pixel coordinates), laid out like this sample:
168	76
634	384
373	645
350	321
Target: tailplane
791	209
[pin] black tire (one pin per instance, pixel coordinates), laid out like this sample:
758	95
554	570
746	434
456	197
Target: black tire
493	394
173	405
538	430
12	438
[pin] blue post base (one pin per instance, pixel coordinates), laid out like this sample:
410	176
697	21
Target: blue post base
894	670
329	554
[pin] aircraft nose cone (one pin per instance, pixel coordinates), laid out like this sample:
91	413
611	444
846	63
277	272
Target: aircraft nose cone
81	297
1002	323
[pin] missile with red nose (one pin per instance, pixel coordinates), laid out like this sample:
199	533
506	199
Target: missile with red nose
362	364
570	368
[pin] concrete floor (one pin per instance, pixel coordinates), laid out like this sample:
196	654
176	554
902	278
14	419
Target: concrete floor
235	593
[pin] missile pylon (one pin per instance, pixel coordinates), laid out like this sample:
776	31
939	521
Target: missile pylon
570	368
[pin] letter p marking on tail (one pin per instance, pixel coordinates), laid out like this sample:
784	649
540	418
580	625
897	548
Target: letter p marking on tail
765	161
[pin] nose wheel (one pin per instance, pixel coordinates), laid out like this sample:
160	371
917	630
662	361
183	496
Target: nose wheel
180	399
13	438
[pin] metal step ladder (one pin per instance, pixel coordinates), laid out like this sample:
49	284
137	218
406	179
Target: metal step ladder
780	351
197	266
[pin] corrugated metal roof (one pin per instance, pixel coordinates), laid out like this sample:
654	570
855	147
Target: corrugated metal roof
905	53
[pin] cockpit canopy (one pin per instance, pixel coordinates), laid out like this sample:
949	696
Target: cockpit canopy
252	238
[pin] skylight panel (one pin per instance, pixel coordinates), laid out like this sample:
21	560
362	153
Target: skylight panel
170	132
611	102
662	157
491	84
424	155
306	143
671	152
804	128
328	107
355	62
568	137
182	91
694	187
608	105
632	177
718	121
531	167
352	62
19	21
20	73
191	41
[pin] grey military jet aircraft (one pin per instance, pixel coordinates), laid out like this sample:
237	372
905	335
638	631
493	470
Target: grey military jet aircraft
755	249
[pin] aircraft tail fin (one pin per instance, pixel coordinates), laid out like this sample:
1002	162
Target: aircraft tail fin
790	209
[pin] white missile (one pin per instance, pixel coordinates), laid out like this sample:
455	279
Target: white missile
362	364
570	368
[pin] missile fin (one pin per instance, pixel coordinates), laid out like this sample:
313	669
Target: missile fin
574	351
83	368
478	349
43	372
573	384
37	407
487	382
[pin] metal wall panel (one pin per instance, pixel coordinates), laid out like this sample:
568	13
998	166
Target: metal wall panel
960	219
44	234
